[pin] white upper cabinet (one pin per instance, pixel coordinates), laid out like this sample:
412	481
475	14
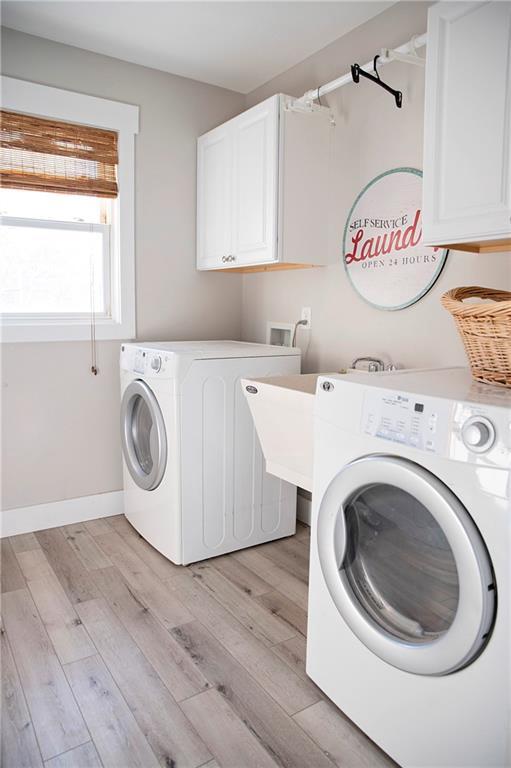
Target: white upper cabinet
263	182
256	146
467	138
214	198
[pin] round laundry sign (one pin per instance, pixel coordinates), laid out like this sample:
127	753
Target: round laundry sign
383	253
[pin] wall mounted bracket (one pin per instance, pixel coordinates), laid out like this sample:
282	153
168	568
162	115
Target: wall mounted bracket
393	54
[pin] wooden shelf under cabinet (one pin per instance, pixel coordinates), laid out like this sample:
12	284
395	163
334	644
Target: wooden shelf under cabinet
495	246
274	267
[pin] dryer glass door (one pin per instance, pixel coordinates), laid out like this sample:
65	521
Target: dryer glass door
144	442
399	564
405	565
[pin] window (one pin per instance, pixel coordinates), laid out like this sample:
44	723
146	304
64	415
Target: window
55	255
66	208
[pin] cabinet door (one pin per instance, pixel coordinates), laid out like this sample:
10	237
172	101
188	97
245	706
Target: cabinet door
214	198
467	155
256	184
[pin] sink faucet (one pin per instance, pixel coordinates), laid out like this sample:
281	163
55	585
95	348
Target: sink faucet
374	363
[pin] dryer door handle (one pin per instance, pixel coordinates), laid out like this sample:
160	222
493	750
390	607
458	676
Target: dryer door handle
340	538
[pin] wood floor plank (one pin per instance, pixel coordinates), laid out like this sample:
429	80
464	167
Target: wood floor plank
278	605
69	570
296	544
276	731
99	526
116	734
113	519
84	546
167	730
58	723
226	735
11	575
240	576
149	588
34	564
85	756
290	586
257	618
66	632
345	743
24	542
287	556
69	638
300	547
18	743
159	564
174	666
291	692
293	653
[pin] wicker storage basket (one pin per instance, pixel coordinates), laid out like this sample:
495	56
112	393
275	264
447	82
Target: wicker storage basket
485	329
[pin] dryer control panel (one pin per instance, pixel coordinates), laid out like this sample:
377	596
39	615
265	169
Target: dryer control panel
462	431
147	362
404	418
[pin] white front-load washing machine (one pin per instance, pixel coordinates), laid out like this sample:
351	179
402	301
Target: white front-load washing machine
410	582
195	485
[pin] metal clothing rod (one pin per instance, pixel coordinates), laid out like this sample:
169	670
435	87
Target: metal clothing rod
408	49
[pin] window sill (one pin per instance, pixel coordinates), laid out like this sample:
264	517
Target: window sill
11	332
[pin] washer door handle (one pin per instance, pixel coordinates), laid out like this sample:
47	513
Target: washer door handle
340	539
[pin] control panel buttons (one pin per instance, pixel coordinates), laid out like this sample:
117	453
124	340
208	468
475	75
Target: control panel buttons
395	417
156	363
478	434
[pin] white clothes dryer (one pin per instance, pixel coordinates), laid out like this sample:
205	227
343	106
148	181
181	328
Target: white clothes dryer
195	485
410	584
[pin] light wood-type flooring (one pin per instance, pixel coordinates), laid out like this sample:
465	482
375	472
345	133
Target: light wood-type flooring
113	656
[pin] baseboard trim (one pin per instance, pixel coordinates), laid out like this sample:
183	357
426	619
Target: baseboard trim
55	513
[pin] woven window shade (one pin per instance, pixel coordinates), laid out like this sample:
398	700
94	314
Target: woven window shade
52	156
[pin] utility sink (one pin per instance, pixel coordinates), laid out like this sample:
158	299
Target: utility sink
282	408
283	411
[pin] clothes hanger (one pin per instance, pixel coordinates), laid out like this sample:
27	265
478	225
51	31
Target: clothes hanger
357	71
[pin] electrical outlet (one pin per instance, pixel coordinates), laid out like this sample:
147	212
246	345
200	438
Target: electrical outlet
307	315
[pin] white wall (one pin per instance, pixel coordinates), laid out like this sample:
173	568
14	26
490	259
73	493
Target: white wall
60	431
60	424
372	136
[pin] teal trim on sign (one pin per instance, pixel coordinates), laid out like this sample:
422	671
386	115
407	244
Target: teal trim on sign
441	262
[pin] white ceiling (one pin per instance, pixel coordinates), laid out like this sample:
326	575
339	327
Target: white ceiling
237	45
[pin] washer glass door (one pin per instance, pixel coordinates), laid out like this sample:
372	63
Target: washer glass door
405	565
143	437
